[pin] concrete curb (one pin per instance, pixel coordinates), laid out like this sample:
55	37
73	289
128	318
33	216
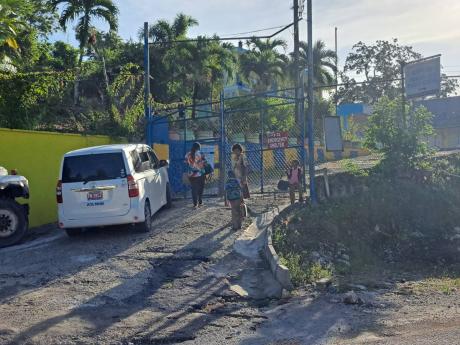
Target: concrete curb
256	243
279	271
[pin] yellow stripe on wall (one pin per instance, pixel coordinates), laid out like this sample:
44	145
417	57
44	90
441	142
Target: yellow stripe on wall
269	160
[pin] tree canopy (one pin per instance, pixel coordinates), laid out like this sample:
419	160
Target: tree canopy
98	85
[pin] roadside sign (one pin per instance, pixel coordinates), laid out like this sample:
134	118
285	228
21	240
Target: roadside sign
278	140
423	77
333	131
208	152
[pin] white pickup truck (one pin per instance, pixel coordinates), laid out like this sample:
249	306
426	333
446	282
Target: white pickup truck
13	216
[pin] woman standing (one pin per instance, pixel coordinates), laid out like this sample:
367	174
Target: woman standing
196	174
240	168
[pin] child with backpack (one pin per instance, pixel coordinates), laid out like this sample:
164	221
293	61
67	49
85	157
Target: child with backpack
294	175
234	196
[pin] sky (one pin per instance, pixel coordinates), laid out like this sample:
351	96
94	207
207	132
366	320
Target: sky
431	27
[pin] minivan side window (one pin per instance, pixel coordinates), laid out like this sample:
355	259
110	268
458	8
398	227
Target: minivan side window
154	159
145	161
136	161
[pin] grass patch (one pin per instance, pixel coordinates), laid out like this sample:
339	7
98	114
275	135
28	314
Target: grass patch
396	223
446	285
304	274
353	168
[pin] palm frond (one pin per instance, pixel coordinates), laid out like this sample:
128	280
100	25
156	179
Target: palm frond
106	15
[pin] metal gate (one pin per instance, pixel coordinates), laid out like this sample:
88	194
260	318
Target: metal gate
264	124
179	129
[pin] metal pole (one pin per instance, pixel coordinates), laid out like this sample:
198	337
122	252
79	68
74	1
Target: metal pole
336	74
298	114
262	113
147	114
403	96
223	149
311	97
303	134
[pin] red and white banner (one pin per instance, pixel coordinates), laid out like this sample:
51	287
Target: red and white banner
278	140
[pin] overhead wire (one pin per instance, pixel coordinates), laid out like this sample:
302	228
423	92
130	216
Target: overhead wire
255	31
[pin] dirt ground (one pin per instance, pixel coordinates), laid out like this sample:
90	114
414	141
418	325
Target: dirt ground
184	284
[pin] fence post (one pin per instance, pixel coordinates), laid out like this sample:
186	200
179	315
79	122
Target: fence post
311	102
262	113
303	156
223	149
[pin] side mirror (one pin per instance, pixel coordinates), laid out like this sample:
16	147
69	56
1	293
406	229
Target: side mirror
164	163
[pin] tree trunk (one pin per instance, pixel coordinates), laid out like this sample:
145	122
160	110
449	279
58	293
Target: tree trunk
76	91
106	77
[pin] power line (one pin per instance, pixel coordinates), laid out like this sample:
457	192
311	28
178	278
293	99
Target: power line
254	31
219	39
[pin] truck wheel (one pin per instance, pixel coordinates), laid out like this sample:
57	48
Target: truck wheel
13	222
74	232
146	226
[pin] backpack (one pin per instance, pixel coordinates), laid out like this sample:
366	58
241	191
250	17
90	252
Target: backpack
233	190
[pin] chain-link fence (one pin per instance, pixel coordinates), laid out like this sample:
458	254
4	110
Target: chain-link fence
180	129
263	124
266	127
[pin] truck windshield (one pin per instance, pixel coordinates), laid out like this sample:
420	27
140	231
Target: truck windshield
96	167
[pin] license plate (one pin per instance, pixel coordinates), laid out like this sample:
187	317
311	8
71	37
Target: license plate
97	195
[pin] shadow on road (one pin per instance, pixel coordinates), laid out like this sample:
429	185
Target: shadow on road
99	310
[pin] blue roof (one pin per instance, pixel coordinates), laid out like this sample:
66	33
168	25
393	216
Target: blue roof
350	109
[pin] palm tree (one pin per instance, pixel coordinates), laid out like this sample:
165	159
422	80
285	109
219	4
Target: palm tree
9	26
200	64
167	57
264	63
323	62
163	31
208	62
85	11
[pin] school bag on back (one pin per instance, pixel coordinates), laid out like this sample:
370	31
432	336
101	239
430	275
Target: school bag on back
233	190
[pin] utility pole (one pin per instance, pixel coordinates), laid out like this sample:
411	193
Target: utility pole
148	132
311	98
336	74
298	115
403	95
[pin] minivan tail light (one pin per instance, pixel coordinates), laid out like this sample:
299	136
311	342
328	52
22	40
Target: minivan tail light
59	192
133	188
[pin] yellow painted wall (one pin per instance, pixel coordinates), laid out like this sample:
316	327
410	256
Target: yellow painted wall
269	161
449	137
162	151
37	156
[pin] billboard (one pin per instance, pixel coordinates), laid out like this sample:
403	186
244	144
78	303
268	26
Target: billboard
333	131
423	77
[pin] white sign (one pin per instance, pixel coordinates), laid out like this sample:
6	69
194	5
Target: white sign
333	131
208	152
423	78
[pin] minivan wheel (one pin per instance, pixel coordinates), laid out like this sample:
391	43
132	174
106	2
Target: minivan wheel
13	222
168	196
146	226
74	232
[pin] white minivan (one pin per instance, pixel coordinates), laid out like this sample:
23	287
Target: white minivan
111	185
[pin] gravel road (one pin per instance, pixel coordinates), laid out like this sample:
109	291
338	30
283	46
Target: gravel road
115	286
184	284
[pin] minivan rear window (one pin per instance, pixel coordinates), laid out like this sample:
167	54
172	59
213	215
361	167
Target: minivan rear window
96	167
